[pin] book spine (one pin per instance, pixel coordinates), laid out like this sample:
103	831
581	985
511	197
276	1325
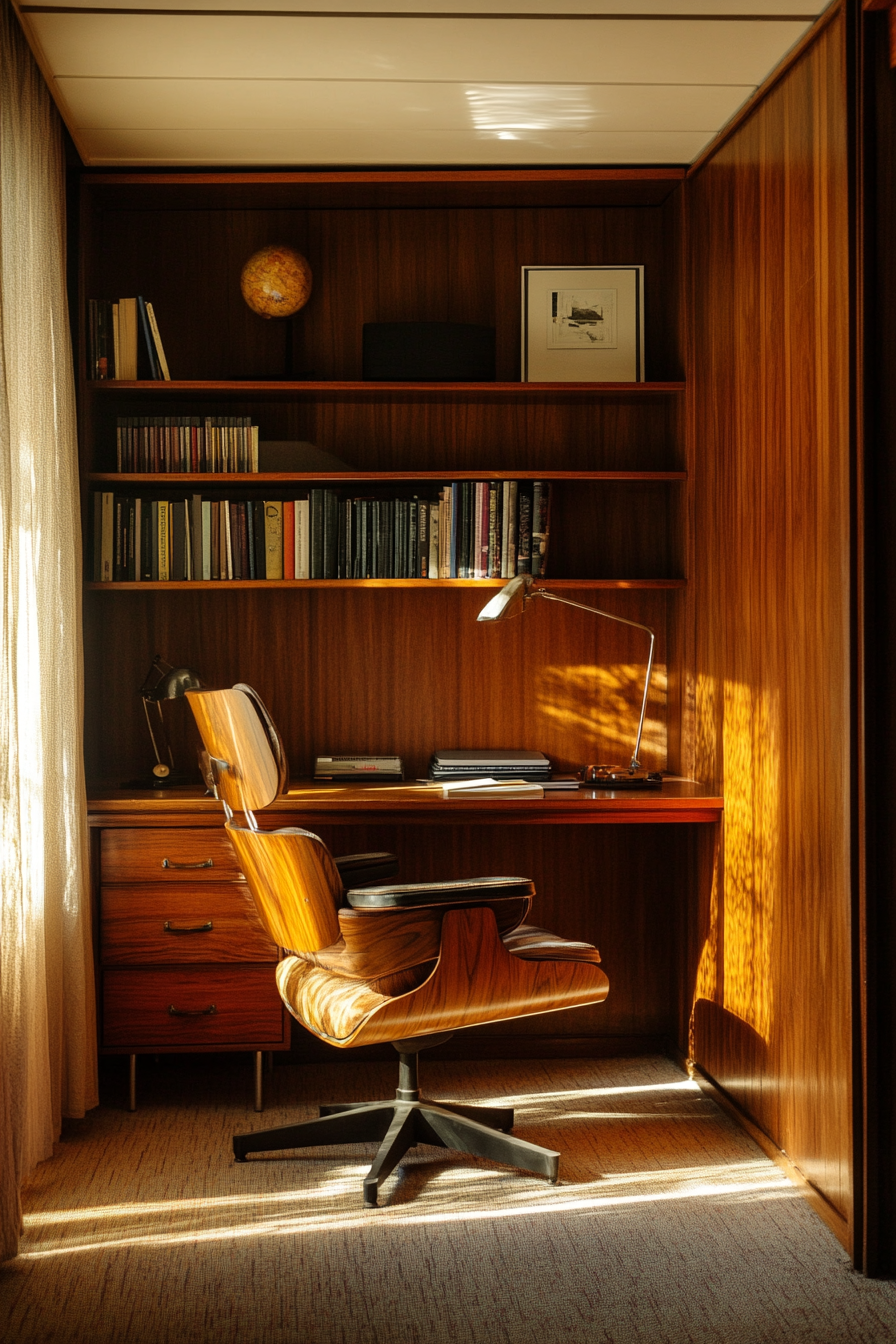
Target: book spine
164	542
317	534
303	539
236	550
250	539
422	571
227	551
146	538
289	539
206	540
157	343
434	514
196	535
107	545
176	567
512	527
273	538
524	536
133	560
147	339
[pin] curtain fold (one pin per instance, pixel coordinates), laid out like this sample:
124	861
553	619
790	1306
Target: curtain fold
47	1014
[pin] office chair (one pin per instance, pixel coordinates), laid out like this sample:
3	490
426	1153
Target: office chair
406	964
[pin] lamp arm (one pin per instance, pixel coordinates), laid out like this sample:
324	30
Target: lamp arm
165	750
596	611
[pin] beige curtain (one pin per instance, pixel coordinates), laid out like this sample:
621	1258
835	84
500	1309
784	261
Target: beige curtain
47	1031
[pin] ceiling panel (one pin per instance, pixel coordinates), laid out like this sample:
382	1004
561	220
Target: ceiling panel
649	51
507	110
504	82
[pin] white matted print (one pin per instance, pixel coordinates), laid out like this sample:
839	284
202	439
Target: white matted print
583	324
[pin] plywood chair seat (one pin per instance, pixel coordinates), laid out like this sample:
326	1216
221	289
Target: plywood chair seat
406	964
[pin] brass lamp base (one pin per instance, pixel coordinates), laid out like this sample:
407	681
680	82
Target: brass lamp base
619	777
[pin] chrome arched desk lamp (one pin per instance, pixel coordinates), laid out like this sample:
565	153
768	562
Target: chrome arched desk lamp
513	600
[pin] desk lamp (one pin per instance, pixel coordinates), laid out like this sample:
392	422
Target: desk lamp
512	600
164	682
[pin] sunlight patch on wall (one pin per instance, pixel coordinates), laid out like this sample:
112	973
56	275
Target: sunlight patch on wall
598	707
735	962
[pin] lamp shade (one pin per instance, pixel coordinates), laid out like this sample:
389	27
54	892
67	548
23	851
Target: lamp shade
510	601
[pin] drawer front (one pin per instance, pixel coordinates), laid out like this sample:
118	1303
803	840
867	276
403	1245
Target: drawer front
137	1004
175	854
181	923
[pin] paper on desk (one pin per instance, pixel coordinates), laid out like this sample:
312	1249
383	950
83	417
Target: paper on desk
491	788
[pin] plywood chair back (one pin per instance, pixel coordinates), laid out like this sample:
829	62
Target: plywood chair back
291	874
248	760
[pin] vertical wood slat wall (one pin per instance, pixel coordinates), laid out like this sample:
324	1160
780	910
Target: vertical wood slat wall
770	980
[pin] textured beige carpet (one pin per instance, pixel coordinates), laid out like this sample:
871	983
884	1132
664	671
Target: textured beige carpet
669	1225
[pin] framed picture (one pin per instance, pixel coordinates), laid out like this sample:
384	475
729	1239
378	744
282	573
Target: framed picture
583	324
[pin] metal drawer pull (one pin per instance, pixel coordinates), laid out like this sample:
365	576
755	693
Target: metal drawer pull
192	1012
206	863
188	928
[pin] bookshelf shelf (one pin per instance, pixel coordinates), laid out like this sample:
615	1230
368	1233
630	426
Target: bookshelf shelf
422	585
219	480
363	387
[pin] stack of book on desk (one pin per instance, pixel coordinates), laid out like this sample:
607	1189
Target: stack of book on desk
491	788
497	765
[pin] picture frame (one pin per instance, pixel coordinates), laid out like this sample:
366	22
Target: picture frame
582	324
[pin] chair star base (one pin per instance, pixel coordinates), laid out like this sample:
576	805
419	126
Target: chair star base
401	1124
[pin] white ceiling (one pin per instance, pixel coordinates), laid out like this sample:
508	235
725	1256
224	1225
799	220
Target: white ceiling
464	82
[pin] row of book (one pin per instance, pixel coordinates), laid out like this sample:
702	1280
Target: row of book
186	443
121	335
474	530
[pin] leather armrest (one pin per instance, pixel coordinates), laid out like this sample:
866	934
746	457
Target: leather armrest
359	870
468	891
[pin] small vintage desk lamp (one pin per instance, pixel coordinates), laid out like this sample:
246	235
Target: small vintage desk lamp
164	682
512	600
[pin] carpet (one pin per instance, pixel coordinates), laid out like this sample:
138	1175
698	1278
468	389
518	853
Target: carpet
669	1225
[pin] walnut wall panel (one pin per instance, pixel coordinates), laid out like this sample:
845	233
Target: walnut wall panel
769	995
379	671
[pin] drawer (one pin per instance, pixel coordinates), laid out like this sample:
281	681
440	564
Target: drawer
175	854
137	1003
181	923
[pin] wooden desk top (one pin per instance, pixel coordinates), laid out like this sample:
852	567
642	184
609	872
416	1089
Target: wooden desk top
677	801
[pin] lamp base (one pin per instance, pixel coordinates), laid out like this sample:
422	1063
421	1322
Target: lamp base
619	777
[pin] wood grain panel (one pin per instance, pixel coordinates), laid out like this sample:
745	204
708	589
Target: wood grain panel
380	671
426	430
369	266
168	855
144	925
770	679
136	1006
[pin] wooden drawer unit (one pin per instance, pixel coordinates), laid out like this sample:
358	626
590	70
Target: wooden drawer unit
185	962
156	925
172	855
194	1008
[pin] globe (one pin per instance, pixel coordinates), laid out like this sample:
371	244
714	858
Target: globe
276	281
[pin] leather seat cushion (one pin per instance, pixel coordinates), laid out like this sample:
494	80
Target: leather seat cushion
470	890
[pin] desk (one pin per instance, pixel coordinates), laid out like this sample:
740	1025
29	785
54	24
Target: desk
185	966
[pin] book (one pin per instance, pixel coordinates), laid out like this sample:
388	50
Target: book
163	532
541	525
289	539
126	364
302	539
148	346
161	361
273	538
524	533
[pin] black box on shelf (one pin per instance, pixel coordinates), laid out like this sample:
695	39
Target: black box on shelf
450	352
